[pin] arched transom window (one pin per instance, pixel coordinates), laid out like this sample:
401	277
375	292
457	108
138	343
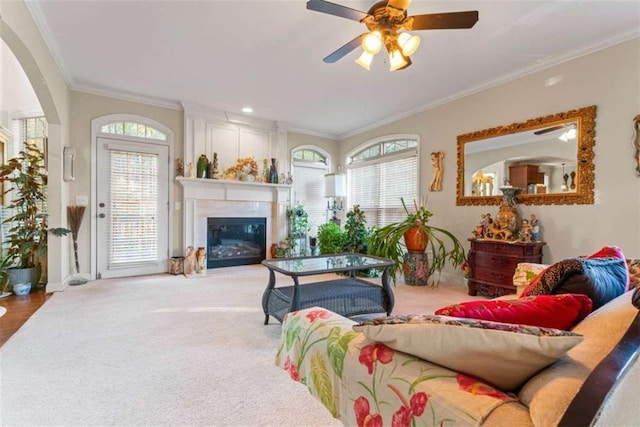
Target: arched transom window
309	167
139	130
379	174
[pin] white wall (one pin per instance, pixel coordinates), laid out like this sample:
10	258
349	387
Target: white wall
609	79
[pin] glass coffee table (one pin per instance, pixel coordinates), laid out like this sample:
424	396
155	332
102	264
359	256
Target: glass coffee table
347	296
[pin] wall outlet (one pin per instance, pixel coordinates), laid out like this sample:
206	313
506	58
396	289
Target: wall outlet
82	200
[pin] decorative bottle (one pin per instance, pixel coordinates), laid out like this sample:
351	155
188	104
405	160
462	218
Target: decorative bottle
273	172
203	163
265	171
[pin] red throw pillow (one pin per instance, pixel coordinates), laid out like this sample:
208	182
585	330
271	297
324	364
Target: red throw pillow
548	311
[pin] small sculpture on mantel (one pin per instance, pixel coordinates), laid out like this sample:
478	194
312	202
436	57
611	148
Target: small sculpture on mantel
215	173
180	168
525	231
191	172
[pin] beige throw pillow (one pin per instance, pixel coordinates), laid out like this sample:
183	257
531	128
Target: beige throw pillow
504	355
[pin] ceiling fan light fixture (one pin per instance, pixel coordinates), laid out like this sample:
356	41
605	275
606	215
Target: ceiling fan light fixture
397	60
365	60
372	42
408	43
570	134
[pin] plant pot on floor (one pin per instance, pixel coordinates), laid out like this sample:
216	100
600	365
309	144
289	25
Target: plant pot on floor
25	275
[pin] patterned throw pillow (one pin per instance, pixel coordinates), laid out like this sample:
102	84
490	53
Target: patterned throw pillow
548	311
601	276
634	272
501	354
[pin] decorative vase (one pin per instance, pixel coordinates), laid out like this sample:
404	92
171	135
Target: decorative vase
508	217
416	240
265	171
273	172
203	163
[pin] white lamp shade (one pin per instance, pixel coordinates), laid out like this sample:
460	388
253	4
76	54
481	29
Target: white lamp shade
365	60
372	42
335	185
396	60
408	43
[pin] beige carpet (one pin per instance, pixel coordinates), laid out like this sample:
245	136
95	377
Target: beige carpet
164	350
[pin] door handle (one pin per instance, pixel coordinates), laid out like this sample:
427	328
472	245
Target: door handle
101	215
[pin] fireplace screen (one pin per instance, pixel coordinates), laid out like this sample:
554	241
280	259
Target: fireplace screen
236	241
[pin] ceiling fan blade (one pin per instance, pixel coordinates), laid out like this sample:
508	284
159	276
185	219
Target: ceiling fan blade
336	9
547	130
444	21
342	51
399	4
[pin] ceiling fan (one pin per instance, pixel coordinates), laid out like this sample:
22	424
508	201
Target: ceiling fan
388	25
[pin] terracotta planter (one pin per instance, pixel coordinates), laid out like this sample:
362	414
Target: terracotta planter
416	240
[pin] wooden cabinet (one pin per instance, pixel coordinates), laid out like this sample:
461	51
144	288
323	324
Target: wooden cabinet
494	262
522	175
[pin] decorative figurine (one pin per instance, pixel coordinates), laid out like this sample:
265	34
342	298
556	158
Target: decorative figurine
525	232
535	228
201	260
436	161
215	172
191	171
180	168
289	179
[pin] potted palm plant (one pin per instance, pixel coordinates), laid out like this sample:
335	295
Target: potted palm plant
26	240
414	234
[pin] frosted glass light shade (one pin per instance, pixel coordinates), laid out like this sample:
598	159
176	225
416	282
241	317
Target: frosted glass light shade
335	185
408	43
397	61
372	42
365	60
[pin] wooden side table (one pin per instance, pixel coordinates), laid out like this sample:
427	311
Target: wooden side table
493	263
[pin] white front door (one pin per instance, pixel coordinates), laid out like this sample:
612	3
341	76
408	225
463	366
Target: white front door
132	208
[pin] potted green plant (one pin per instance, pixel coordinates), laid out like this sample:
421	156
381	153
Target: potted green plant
357	233
299	226
26	239
331	238
389	241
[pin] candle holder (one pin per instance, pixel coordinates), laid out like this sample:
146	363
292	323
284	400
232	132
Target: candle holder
334	208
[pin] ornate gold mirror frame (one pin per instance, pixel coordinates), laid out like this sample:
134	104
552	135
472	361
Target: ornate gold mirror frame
585	176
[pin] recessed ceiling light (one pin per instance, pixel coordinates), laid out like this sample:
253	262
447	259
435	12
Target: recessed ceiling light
247	110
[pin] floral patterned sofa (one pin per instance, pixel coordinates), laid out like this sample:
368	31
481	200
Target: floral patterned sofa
364	382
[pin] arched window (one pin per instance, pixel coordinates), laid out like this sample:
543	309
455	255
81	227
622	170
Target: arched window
310	164
379	174
139	130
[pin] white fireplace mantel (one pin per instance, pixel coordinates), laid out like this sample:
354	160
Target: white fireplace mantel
204	198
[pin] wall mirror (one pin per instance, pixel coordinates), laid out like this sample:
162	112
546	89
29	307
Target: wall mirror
550	158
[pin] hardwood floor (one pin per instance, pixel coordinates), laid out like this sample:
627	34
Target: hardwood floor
19	309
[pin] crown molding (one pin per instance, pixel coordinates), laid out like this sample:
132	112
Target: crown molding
314	133
125	96
47	37
556	60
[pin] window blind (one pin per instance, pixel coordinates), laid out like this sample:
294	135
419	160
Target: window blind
133	208
308	187
378	187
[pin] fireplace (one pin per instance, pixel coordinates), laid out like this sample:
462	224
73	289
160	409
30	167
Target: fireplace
236	241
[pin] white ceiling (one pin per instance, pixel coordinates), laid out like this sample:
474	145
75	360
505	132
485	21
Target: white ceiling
268	54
